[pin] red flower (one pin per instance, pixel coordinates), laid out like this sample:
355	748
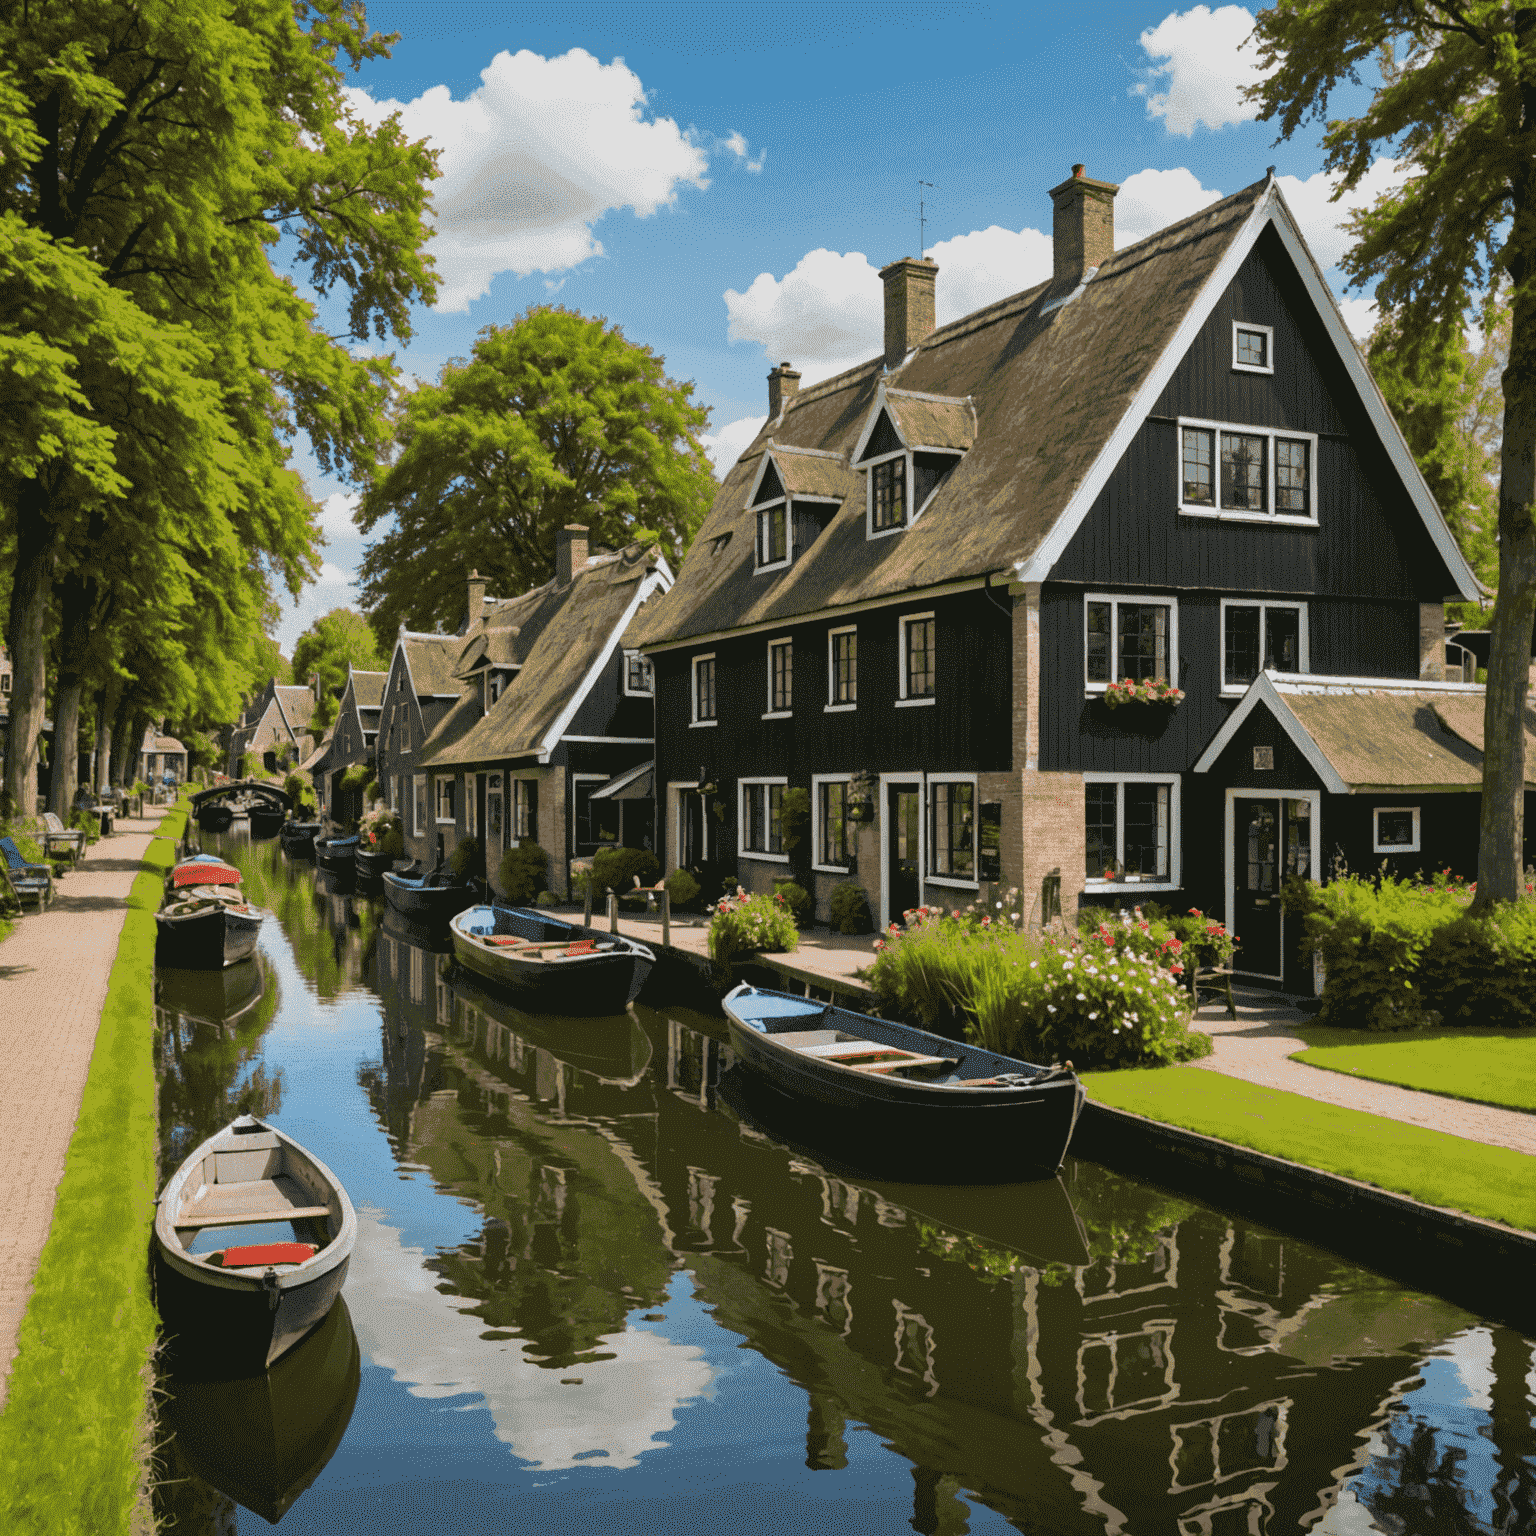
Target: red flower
1175	970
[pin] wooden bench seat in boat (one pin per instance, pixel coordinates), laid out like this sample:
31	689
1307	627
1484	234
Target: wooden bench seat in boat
845	1049
251	1200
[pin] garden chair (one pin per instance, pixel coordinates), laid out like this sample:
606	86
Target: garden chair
23	878
70	839
1212	978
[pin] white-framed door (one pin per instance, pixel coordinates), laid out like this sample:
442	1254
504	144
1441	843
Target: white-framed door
1270	835
892	837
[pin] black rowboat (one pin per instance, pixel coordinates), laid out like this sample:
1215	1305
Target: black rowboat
266	819
372	862
298	838
427	898
337	853
217	816
593	974
294	1228
205	923
935	1109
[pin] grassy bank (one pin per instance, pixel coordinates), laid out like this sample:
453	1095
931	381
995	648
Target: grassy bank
74	1436
1485	1066
1427	1165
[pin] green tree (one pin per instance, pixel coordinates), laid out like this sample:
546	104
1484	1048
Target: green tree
154	363
1456	105
554	419
336	642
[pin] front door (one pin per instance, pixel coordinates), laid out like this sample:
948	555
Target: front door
692	853
903	848
1271	841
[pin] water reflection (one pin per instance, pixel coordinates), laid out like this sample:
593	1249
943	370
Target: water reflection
574	1236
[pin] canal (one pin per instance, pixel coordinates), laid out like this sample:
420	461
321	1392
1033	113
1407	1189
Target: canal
591	1293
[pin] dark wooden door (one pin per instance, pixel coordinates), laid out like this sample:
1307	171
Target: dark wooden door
691	809
1257	840
903	833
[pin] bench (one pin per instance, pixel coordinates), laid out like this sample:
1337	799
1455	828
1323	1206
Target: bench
848	1050
24	879
70	839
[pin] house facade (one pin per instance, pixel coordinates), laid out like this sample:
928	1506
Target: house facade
419	690
160	755
276	725
354	736
987	600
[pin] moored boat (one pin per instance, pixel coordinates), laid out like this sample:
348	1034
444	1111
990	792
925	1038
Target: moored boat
427	897
205	923
266	819
250	1300
372	862
936	1109
337	853
217	816
298	837
595	974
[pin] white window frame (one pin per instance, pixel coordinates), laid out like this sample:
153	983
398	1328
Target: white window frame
868	466
693	692
1303	645
676	789
469	805
771	713
583	778
1268	332
832	706
957	882
1314	799
1175	839
1219	513
419	807
758	514
639	693
817	780
1114	599
742	851
902	701
1377	846
437	799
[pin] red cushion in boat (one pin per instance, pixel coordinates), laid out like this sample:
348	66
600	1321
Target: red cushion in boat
582	947
267	1253
504	941
204	874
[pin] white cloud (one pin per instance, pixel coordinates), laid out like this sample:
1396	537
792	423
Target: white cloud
533	158
336	515
1207	66
987	265
1321	220
824	316
738	146
335	587
1360	315
729	443
1151	200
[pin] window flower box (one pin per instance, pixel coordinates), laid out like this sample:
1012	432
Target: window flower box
1150	690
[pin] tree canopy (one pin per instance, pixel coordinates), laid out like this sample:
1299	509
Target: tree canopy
335	641
1456	107
555	419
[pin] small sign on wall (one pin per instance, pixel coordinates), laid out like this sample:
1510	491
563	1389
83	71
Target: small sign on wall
1264	758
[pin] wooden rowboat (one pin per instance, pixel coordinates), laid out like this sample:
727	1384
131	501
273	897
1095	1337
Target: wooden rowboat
206	923
337	853
298	838
936	1109
595	974
427	897
254	1299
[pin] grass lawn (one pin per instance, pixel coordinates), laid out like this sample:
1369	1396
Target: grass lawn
1490	1066
1428	1165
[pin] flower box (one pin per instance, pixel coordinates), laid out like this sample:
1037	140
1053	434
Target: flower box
1150	690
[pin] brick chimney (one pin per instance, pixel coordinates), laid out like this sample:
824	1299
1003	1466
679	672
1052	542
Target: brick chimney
783	383
476	600
908	306
570	552
1083	230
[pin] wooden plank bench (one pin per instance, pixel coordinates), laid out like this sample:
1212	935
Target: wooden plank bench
251	1201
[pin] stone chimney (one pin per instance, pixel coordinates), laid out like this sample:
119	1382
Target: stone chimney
476	600
1083	230
783	383
908	306
570	552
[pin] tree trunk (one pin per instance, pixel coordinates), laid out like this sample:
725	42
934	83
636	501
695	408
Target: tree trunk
27	641
111	701
74	641
122	740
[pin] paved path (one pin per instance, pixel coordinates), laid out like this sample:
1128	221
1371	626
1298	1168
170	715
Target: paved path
53	985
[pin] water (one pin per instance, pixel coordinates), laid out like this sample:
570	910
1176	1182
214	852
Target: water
589	1295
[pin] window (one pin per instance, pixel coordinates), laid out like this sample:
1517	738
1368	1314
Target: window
1246	472
445	795
1129	639
773	536
394	793
525	810
1132	830
1397	829
917	664
419	806
952	829
842	669
781	664
703	690
5	682
888	494
494	817
595	825
495	684
1261	637
1253	348
639	677
831	802
762	819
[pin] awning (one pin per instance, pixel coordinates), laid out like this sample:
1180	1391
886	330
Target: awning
637	784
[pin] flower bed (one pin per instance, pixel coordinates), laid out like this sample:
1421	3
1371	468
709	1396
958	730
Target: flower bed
741	924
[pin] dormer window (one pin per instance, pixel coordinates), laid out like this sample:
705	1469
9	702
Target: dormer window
639	679
888	495
910	445
773	536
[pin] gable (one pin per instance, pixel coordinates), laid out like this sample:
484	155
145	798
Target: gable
884	438
769	486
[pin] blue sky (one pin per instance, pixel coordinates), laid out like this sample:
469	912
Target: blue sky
724	182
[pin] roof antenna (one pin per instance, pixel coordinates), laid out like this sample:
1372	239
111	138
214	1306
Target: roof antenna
922	220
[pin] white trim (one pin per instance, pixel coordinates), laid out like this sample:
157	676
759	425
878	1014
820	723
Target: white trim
772	713
470	784
882	818
1322	682
742	851
1377	846
632	654
958	881
1263	690
623	780
1268	332
1114	599
675	788
832	706
438	780
855	458
1303	642
1174	879
778	714
757	479
615	741
758	513
1269	209
902	620
868	471
1315	800
921	703
817	780
693	691
1236	514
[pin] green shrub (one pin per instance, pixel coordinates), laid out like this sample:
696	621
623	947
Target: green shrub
578	879
465	860
742	924
545	899
383	832
250	766
524	873
684	891
297	788
848	910
615	869
796	898
358	776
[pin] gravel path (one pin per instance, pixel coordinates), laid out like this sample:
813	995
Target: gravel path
53	985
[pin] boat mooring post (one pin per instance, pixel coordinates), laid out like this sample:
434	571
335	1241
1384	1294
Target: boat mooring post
613	913
586	916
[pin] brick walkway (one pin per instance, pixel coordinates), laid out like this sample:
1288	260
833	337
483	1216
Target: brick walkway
53	985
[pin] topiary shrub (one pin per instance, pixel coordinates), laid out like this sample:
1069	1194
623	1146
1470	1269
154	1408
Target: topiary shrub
465	860
796	898
849	909
684	891
615	869
524	872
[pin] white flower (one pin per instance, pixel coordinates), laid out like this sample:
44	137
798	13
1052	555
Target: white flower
1034	965
1082	997
1049	1008
1095	1015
